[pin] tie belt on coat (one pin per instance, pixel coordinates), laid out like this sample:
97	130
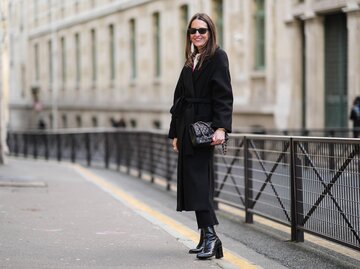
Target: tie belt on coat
185	109
182	102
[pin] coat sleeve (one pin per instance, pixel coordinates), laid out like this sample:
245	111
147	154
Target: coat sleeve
221	90
178	91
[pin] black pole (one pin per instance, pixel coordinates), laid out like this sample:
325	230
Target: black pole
46	143
107	154
73	148
16	143
152	167
117	149
248	183
88	148
168	172
216	181
296	195
128	152
26	136
35	149
139	157
58	145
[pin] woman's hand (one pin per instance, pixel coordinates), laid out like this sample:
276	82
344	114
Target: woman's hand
218	137
174	144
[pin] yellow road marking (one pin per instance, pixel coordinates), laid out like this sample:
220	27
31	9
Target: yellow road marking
179	228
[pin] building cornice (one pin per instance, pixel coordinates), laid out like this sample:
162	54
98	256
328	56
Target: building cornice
309	12
85	17
144	108
351	7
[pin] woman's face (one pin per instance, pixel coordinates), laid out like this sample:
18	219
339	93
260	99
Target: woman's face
199	39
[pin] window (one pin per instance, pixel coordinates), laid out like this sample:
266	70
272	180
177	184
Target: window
259	34
64	121
133	123
78	121
36	62
157	124
63	60
94	121
218	20
112	51
184	17
51	121
93	54
50	63
132	28
78	59
157	48
23	80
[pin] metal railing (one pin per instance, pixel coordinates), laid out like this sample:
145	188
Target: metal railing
309	184
319	132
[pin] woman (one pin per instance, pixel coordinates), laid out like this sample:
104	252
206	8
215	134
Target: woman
203	93
355	116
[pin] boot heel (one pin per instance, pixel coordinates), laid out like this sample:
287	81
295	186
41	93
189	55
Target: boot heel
219	252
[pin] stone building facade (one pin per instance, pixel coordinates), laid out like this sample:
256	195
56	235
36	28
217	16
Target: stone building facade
4	77
87	63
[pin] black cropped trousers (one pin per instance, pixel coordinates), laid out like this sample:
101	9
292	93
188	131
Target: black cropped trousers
206	218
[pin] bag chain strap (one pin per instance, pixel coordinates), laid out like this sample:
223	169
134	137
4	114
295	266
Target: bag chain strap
224	148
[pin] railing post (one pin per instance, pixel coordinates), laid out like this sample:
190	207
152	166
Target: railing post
167	156
118	153
139	158
331	156
248	183
88	149
73	148
128	152
35	152
106	157
46	146
25	145
16	144
216	182
297	210
152	170
58	145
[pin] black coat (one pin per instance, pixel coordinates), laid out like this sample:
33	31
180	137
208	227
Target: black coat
355	115
203	94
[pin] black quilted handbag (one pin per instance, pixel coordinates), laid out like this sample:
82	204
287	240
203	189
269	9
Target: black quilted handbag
201	133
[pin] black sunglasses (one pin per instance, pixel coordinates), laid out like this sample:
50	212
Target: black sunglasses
201	31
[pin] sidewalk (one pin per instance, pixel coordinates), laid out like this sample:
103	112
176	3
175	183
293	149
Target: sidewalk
60	215
50	217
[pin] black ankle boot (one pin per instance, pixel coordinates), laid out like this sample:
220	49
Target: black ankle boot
200	246
212	245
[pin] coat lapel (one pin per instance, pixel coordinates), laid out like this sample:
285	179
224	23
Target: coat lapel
199	72
189	83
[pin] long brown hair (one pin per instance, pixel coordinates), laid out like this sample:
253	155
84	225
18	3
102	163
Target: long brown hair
210	46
